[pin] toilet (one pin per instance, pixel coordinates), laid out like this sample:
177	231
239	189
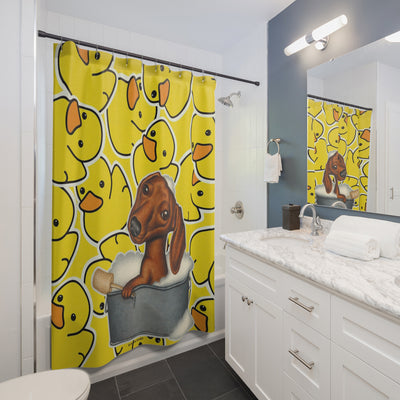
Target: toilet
60	384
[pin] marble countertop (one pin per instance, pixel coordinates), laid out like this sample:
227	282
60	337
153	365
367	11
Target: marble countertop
370	282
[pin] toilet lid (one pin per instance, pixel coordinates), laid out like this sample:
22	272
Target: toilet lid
61	384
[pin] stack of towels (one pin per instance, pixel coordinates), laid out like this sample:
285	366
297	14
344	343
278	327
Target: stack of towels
364	238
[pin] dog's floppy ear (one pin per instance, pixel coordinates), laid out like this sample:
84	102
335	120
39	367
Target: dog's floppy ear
178	242
327	180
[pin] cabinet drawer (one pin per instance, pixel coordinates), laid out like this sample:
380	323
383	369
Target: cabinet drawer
292	391
354	379
311	370
259	276
369	336
307	303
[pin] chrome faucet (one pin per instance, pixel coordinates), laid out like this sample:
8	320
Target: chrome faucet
316	223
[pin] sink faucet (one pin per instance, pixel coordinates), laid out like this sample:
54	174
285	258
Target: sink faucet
316	223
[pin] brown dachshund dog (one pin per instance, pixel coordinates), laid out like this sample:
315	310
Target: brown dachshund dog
337	167
155	214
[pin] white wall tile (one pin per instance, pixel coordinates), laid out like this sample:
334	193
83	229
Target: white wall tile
67	26
53	24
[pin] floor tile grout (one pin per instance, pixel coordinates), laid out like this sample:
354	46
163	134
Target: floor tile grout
176	380
116	385
224	394
145	387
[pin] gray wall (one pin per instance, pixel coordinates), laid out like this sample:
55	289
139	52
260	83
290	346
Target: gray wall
368	20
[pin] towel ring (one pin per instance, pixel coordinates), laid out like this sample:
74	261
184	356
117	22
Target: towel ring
276	141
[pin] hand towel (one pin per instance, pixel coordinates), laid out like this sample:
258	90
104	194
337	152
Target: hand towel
386	233
272	168
352	245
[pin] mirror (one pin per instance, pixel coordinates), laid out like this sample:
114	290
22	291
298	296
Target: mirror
353	134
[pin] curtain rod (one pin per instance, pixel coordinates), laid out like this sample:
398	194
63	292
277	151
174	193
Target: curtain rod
339	102
143	57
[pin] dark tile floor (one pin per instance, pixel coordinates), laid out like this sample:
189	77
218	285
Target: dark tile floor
199	374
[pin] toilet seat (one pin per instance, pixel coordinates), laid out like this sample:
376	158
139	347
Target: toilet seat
61	384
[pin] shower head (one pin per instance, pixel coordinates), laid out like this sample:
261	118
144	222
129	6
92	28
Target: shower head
226	101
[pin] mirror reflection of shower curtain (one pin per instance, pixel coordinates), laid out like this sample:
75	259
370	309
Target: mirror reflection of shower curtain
117	121
343	131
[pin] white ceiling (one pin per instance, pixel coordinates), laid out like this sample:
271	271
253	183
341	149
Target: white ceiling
213	25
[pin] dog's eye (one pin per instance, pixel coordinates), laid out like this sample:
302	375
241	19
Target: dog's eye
97	55
101	184
334	166
153	94
165	215
60	297
203	307
146	189
73	317
208	132
84	115
80	143
82	190
200	193
55	222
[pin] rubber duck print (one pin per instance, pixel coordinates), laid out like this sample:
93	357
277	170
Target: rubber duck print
156	152
203	141
77	139
128	115
201	249
193	194
203	94
64	241
201	312
71	341
168	89
86	74
104	199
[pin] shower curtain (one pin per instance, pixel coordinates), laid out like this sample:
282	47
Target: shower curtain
133	206
338	149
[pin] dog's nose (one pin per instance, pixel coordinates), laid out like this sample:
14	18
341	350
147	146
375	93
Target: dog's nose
343	174
134	227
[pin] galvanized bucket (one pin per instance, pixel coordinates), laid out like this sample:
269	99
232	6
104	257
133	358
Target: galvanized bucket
152	311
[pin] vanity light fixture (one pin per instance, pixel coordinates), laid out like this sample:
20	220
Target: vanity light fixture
319	36
394	37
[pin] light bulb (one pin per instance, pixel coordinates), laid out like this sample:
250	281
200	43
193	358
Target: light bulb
325	30
296	46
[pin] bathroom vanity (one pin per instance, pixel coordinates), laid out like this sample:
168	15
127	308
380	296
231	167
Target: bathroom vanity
304	323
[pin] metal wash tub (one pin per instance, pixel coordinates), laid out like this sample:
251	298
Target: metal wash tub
152	311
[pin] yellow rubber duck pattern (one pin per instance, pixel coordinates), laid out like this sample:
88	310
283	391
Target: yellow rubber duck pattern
338	149
117	124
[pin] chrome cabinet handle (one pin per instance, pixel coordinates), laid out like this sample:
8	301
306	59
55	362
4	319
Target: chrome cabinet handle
295	300
295	354
244	298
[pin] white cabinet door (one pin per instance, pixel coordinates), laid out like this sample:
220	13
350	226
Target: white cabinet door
239	330
354	379
253	335
268	349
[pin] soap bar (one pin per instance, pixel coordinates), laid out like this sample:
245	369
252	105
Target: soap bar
290	217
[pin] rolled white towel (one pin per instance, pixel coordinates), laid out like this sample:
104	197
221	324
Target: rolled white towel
386	233
354	245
